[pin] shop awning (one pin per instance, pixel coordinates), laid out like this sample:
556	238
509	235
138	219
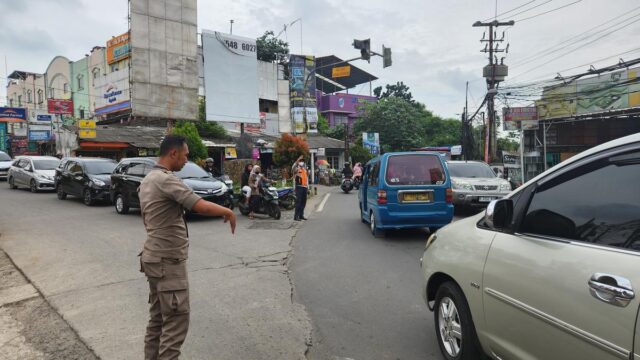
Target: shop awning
109	145
11	120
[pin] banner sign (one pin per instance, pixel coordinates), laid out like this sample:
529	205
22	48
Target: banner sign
230	153
3	136
11	114
371	142
39	135
39	127
520	113
86	134
341	71
529	125
60	106
118	48
302	87
87	124
510	160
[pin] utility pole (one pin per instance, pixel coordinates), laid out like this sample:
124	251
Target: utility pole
494	73
231	29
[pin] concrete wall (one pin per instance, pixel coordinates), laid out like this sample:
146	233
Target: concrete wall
96	69
267	81
56	76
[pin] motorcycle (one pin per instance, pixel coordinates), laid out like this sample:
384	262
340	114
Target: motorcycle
226	180
356	182
346	185
266	204
287	198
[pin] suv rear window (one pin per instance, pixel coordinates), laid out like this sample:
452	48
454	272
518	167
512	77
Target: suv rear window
470	170
414	170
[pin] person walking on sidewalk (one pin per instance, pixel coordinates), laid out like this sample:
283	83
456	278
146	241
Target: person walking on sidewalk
302	188
163	200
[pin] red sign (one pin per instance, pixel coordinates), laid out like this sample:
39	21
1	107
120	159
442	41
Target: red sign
520	113
59	106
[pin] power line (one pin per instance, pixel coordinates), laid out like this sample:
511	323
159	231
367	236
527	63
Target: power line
506	12
524	11
546	12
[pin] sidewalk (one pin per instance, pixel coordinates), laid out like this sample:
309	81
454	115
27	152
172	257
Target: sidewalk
29	327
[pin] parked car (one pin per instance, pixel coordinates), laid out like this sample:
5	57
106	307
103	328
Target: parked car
405	190
474	183
5	164
88	178
548	272
34	172
128	175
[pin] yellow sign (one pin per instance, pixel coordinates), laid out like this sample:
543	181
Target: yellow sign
86	134
87	124
341	71
230	153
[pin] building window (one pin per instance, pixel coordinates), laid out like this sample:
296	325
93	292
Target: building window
19	100
51	94
29	100
80	82
65	88
81	113
40	99
11	102
334	162
114	67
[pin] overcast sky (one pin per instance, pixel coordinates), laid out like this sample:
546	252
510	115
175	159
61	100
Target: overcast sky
435	48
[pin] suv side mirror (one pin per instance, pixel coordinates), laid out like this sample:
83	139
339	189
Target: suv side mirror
499	214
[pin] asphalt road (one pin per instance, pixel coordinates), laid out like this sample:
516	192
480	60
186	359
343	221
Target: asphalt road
362	293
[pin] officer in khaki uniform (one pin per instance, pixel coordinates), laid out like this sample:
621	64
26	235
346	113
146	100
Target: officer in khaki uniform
163	199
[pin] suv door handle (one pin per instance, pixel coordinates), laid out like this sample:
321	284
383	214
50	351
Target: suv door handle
612	289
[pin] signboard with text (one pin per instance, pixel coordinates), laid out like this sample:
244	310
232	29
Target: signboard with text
118	48
371	142
39	135
12	114
341	71
60	106
302	89
3	136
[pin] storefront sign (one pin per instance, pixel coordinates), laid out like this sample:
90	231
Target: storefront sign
11	114
520	113
3	136
321	151
39	135
341	71
19	131
87	124
510	160
118	48
60	106
86	134
371	142
456	150
230	153
529	125
39	127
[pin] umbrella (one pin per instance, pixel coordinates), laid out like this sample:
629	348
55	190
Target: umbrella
322	162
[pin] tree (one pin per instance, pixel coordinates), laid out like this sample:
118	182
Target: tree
197	150
323	125
399	90
359	154
336	132
506	144
399	123
270	48
439	132
288	149
209	129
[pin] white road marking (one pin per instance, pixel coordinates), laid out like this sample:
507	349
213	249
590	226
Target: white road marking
324	201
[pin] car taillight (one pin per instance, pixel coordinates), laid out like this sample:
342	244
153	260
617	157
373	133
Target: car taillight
382	197
449	196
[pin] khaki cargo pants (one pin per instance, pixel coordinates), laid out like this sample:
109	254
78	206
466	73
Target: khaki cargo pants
169	306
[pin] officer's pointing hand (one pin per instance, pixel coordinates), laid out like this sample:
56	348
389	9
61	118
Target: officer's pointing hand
231	218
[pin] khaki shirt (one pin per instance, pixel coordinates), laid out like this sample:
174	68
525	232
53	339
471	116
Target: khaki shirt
163	198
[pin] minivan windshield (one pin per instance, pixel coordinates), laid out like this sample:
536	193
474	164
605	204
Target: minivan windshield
45	164
470	170
192	171
100	167
4	157
415	169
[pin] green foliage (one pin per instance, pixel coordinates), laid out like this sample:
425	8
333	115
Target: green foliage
270	48
323	125
336	132
506	144
439	132
288	149
209	129
399	90
197	150
358	153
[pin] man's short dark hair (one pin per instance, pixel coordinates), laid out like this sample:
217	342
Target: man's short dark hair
171	142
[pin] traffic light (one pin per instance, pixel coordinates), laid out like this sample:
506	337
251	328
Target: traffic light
365	48
386	57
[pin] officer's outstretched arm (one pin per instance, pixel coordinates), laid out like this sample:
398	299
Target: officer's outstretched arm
204	207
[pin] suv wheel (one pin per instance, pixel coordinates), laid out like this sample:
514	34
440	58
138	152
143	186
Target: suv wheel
454	326
86	197
11	184
33	186
121	206
61	194
374	227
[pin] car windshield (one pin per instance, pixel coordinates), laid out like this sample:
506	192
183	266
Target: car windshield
470	170
4	157
414	170
45	164
100	167
192	171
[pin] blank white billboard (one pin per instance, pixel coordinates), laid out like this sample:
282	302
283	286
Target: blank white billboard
230	77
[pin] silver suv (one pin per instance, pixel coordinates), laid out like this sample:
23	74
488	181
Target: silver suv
34	172
550	271
475	184
5	164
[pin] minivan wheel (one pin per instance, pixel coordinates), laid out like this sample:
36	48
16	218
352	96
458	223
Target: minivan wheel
454	326
374	227
61	194
33	186
86	197
11	184
121	206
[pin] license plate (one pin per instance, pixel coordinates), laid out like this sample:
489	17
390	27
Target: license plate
413	197
486	199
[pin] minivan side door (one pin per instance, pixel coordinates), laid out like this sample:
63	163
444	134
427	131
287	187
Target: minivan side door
372	188
563	286
132	178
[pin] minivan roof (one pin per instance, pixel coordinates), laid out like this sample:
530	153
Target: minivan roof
386	155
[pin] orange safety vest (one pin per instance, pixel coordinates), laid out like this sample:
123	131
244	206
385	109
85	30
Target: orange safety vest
304	177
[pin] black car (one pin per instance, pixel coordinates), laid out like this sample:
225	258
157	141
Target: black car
88	178
128	175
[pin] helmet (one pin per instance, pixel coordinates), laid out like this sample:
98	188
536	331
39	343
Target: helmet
209	160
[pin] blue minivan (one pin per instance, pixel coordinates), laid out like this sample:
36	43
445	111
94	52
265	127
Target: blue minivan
406	190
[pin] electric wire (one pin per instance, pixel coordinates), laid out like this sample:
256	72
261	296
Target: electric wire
506	12
546	12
